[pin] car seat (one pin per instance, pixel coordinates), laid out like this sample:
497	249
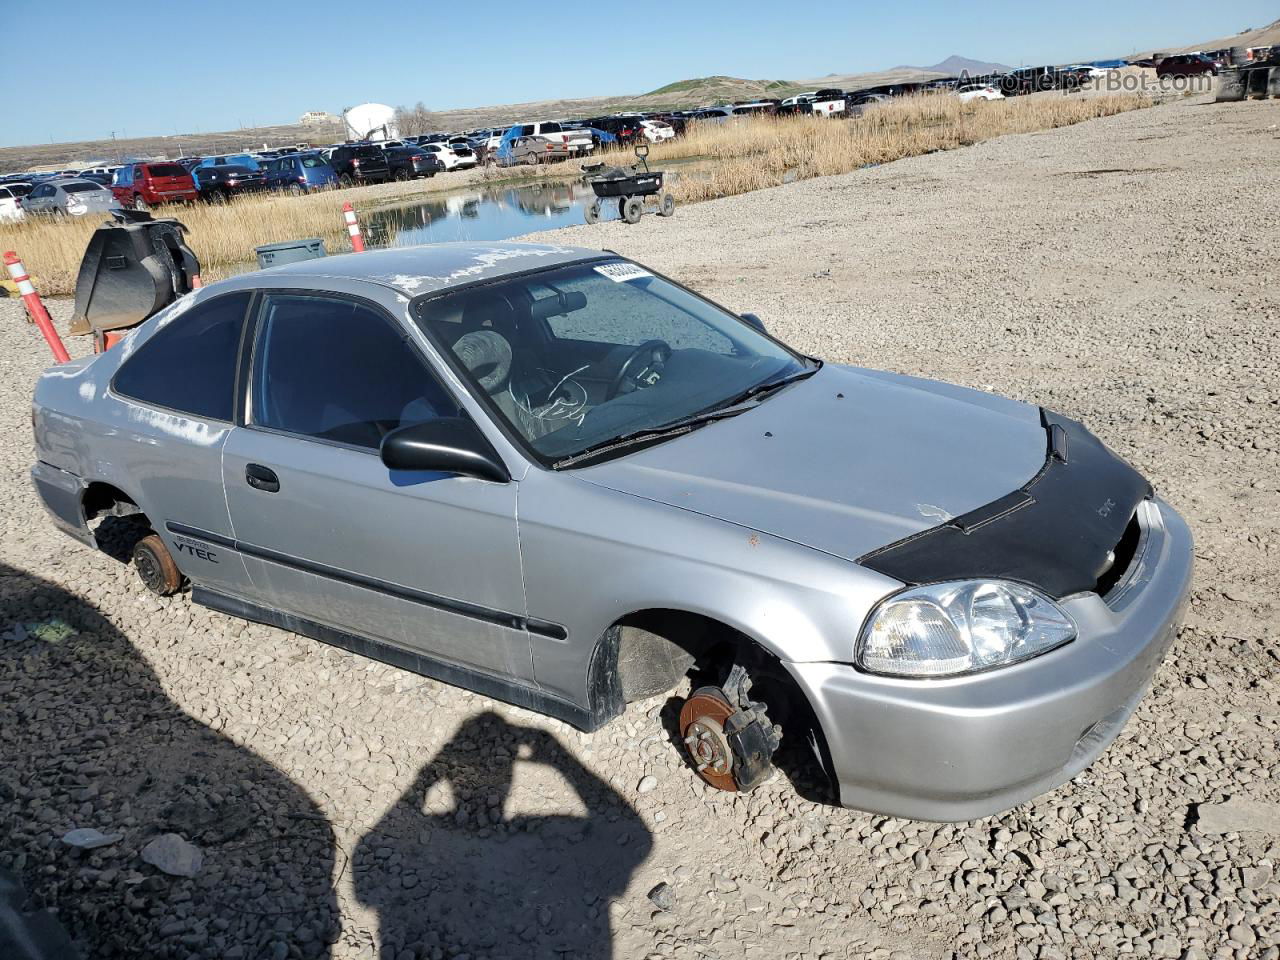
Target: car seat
488	356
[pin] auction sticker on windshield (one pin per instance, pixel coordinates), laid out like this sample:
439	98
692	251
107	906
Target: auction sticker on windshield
621	272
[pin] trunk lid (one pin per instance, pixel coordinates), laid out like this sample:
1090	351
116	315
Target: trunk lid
169	178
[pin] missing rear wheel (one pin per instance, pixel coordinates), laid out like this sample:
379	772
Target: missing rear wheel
155	566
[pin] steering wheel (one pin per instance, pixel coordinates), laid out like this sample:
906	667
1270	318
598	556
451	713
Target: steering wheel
643	368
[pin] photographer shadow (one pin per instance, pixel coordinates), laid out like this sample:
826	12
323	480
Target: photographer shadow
447	868
92	741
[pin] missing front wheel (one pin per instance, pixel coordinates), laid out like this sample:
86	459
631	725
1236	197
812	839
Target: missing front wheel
728	737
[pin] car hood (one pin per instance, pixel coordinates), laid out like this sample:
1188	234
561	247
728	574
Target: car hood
846	461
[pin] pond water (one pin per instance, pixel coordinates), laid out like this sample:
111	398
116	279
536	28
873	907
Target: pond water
480	213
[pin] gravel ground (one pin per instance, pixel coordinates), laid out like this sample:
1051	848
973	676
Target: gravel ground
1122	271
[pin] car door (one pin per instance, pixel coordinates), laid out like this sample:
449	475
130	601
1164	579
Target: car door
173	406
35	202
427	563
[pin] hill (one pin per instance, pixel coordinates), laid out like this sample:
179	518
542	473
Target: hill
87	152
712	89
955	65
1259	37
859	81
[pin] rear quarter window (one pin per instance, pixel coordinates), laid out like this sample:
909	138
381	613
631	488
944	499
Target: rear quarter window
189	366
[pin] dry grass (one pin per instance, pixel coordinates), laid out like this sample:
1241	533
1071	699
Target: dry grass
724	160
766	153
222	236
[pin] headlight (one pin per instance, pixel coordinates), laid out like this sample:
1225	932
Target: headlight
945	629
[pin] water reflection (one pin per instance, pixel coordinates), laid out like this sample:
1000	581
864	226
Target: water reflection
480	213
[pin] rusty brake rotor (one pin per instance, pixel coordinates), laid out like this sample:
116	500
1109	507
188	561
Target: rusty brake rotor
702	720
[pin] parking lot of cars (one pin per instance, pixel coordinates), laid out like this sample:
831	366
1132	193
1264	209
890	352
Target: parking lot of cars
302	168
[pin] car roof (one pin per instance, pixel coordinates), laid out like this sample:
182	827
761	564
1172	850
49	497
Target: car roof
429	268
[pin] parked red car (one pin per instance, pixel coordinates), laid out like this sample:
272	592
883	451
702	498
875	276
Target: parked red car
1186	65
144	185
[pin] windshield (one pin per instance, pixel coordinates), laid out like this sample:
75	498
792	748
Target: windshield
576	356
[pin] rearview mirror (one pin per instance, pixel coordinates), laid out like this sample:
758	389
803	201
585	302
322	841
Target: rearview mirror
445	445
754	321
557	304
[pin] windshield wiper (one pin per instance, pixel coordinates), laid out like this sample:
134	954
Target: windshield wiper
766	389
663	431
748	399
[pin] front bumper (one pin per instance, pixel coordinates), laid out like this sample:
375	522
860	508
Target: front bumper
968	747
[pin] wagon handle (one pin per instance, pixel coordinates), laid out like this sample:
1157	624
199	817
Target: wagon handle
642	153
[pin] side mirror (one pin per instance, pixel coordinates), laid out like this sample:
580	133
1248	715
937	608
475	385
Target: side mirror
445	445
754	321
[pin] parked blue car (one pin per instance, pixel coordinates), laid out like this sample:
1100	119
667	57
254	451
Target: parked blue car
236	159
299	172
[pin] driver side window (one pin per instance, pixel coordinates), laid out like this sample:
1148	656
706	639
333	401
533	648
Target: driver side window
336	370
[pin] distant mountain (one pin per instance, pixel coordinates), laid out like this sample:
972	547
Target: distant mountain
955	65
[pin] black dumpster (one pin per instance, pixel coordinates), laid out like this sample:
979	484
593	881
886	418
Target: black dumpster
1256	82
133	267
1230	86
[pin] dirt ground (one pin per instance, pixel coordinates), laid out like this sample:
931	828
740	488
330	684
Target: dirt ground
1124	271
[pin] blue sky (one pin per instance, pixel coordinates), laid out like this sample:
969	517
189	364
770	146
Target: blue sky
178	67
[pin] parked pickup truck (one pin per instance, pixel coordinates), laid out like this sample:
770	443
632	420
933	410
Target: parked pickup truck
575	141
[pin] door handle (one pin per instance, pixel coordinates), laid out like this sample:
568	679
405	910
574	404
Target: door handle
261	478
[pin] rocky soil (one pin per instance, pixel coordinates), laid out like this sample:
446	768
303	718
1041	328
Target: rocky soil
1123	271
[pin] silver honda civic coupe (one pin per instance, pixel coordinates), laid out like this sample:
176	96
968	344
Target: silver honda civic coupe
555	477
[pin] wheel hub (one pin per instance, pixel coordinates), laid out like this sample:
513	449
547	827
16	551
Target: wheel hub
149	571
702	728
